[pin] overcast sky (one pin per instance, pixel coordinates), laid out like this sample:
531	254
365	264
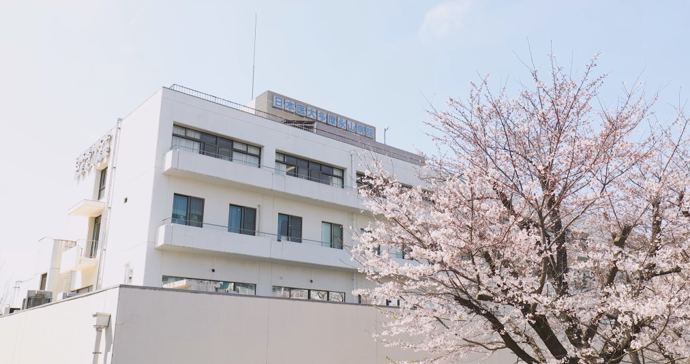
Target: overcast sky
70	68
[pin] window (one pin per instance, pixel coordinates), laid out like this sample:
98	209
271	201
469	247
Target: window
308	294
101	183
289	228
332	235
376	249
361	181
86	289
216	146
188	210
217	286
403	253
95	234
306	169
44	281
242	220
368	301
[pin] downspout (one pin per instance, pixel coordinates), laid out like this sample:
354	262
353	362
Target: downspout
353	185
108	206
102	322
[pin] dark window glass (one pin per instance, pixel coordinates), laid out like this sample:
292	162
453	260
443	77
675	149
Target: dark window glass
332	235
225	143
188	210
299	293
179	214
290	228
219	286
318	295
210	149
336	296
245	288
93	244
281	292
215	146
242	220
313	171
207	138
101	183
44	281
311	294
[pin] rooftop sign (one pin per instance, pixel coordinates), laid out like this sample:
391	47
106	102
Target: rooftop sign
310	112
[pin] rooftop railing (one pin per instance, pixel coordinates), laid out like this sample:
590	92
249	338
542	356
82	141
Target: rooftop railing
309	126
236	230
228	103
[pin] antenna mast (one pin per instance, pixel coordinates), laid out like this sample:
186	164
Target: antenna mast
254	56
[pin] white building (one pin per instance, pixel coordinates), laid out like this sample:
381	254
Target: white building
262	199
195	192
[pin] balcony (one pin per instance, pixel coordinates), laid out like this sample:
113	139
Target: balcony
261	246
189	163
88	208
80	255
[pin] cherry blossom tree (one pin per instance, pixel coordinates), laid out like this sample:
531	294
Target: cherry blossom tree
550	225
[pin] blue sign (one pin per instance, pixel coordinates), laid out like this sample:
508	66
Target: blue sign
283	103
370	132
289	105
321	116
301	110
277	101
311	112
360	129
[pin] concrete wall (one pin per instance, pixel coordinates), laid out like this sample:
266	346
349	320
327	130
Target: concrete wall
154	325
135	170
60	332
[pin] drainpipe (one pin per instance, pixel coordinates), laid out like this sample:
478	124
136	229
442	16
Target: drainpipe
102	322
353	171
108	206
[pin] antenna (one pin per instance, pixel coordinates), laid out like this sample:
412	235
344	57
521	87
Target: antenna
384	134
254	56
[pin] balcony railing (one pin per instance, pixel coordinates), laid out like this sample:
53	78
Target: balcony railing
87	248
216	155
278	171
276	237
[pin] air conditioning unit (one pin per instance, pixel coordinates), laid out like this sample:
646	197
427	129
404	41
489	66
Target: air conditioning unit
63	295
36	298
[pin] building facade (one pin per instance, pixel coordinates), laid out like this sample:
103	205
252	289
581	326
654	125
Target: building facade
191	191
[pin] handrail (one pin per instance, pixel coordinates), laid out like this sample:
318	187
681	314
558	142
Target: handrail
215	155
86	247
309	126
228	103
276	237
275	170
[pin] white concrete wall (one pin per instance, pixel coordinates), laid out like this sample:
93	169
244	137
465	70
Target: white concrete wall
150	325
135	170
60	332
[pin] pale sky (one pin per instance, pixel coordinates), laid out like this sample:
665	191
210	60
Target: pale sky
70	68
